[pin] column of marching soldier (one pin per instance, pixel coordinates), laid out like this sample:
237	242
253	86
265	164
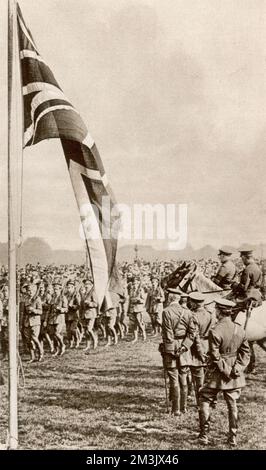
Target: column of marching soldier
62	313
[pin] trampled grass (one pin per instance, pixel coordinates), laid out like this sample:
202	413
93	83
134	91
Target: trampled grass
115	399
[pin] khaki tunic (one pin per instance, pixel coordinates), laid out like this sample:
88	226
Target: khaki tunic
229	351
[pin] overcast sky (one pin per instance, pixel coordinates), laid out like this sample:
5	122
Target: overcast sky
174	94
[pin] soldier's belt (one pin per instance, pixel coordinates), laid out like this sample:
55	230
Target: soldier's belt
179	337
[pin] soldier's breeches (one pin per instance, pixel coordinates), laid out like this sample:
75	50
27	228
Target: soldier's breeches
198	379
88	326
173	377
174	389
206	397
34	332
231	397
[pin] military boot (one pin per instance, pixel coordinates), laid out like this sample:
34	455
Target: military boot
232	425
232	441
204	417
175	402
183	399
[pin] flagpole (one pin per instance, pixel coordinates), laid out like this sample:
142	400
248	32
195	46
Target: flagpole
12	313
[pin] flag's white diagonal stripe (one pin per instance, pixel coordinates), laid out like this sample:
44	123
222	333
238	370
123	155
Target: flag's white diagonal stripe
27	54
96	245
24	29
38	86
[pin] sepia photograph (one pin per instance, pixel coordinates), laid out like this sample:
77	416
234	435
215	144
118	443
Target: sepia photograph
132	228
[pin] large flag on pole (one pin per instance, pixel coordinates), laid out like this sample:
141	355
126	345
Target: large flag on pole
49	114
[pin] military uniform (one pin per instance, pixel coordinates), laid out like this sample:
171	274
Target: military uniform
123	309
4	325
178	335
154	306
56	320
202	321
72	318
136	309
32	323
110	317
251	281
225	274
229	355
88	315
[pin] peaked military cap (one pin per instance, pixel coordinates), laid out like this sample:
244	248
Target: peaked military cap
175	290
224	304
197	296
246	250
225	250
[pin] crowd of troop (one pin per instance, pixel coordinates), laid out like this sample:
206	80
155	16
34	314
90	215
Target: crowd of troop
58	309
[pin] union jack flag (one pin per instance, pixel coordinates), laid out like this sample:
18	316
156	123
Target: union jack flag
49	114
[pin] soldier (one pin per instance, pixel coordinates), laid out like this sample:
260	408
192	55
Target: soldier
110	315
178	336
45	296
56	318
154	305
227	271
251	278
137	308
4	321
124	306
202	321
32	321
72	315
89	310
229	355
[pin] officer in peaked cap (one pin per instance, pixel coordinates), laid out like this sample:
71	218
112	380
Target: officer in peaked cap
197	297
178	336
229	355
176	290
251	277
227	270
225	305
202	321
246	250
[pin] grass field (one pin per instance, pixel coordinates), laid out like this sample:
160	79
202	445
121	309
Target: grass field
114	399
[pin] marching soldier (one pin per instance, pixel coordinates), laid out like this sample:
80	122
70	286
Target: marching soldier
154	305
88	313
4	321
32	321
110	315
124	306
178	335
56	318
137	308
229	355
72	315
202	321
227	271
46	297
